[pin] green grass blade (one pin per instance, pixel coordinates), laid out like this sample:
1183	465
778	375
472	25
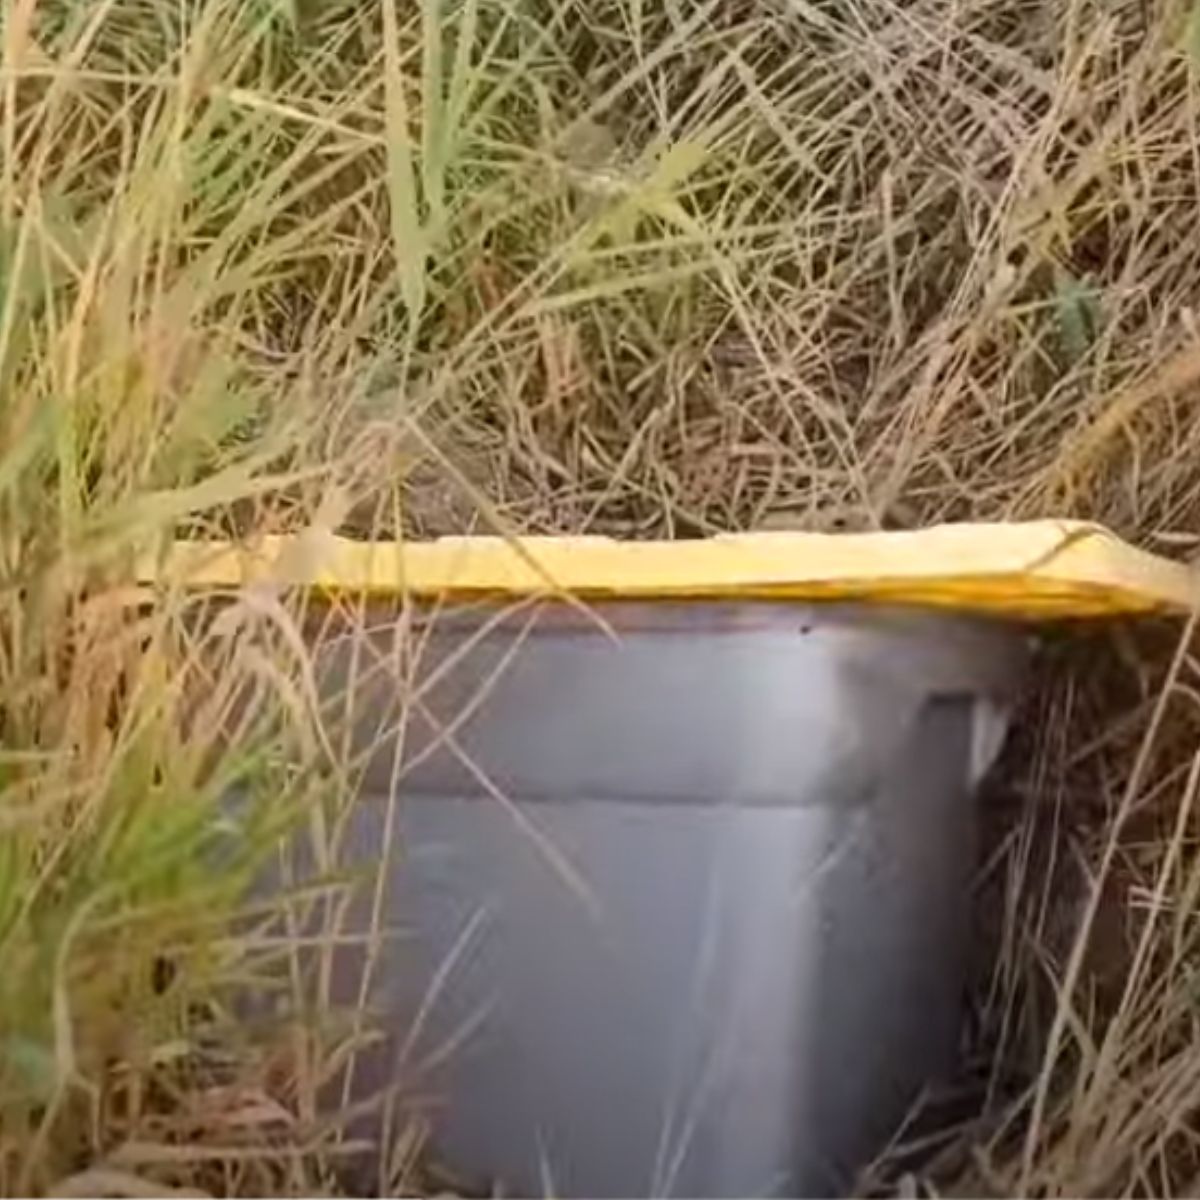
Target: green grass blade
408	235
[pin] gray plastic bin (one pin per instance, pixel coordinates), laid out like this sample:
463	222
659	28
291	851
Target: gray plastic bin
683	900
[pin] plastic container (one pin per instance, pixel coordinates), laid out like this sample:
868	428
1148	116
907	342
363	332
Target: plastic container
683	891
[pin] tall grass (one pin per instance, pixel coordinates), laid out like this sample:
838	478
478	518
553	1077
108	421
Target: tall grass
546	265
177	304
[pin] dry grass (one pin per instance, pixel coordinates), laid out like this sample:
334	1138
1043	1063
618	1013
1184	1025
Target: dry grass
859	265
563	265
1082	1079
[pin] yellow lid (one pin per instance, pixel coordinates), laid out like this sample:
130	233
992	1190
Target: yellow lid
1036	569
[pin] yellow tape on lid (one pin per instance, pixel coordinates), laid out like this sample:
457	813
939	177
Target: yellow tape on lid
1036	569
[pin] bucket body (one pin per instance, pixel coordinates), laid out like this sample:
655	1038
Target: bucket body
680	892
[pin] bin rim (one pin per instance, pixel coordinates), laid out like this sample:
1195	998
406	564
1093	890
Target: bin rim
1036	569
